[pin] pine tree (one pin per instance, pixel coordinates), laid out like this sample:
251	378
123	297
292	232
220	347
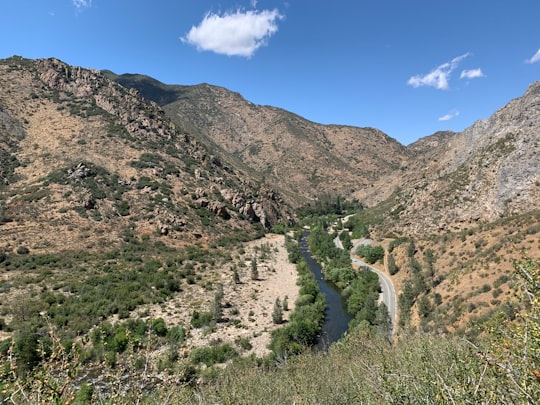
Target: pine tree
286	303
277	314
236	276
254	269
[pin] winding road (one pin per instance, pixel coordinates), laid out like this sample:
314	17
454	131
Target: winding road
387	287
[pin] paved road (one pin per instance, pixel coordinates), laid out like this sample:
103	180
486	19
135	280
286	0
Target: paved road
387	287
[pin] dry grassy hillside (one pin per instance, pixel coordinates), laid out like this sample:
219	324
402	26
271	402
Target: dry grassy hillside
303	159
85	160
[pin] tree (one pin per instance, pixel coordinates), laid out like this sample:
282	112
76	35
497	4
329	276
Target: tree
392	267
424	306
277	314
346	240
285	303
254	269
217	310
371	253
383	321
236	276
26	349
411	249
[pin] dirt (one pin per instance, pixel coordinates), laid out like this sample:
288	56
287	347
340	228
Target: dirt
250	303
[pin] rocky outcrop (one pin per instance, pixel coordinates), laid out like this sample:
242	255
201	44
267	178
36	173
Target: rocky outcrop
488	171
88	152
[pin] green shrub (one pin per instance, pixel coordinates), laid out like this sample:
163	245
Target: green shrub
370	253
159	327
200	319
213	355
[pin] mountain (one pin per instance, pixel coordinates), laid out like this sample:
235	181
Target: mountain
487	172
124	202
86	161
441	182
302	159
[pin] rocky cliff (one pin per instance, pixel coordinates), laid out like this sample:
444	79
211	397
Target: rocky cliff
489	171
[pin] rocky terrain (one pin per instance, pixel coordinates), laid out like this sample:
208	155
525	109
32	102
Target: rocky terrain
488	172
446	181
85	159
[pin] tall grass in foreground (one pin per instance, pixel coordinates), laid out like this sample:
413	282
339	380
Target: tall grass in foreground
365	369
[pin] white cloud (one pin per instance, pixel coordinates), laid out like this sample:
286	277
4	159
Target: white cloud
234	34
449	116
439	76
82	3
535	58
471	74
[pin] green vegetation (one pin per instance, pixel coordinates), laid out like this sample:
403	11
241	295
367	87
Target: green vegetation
366	217
327	204
501	366
360	289
213	355
305	322
370	253
277	313
9	164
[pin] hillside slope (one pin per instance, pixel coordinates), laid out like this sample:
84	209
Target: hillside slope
301	158
452	181
86	160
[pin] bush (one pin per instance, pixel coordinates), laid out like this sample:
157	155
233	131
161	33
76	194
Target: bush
159	327
213	355
23	250
370	253
200	319
176	335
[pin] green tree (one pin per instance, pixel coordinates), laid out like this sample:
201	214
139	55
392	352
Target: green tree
26	350
254	269
424	306
383	322
236	276
391	263
277	314
370	253
217	308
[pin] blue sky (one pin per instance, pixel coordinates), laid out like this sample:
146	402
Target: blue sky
408	68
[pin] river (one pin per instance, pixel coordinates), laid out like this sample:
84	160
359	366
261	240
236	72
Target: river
336	318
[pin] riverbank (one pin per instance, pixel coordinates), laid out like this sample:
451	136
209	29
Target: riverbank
249	303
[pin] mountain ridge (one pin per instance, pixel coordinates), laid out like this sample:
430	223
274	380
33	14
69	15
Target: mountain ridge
380	165
352	157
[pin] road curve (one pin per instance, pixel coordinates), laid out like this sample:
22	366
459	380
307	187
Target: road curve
387	287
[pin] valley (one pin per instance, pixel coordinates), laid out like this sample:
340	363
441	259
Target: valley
150	239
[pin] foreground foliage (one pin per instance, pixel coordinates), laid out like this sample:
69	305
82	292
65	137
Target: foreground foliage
501	367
